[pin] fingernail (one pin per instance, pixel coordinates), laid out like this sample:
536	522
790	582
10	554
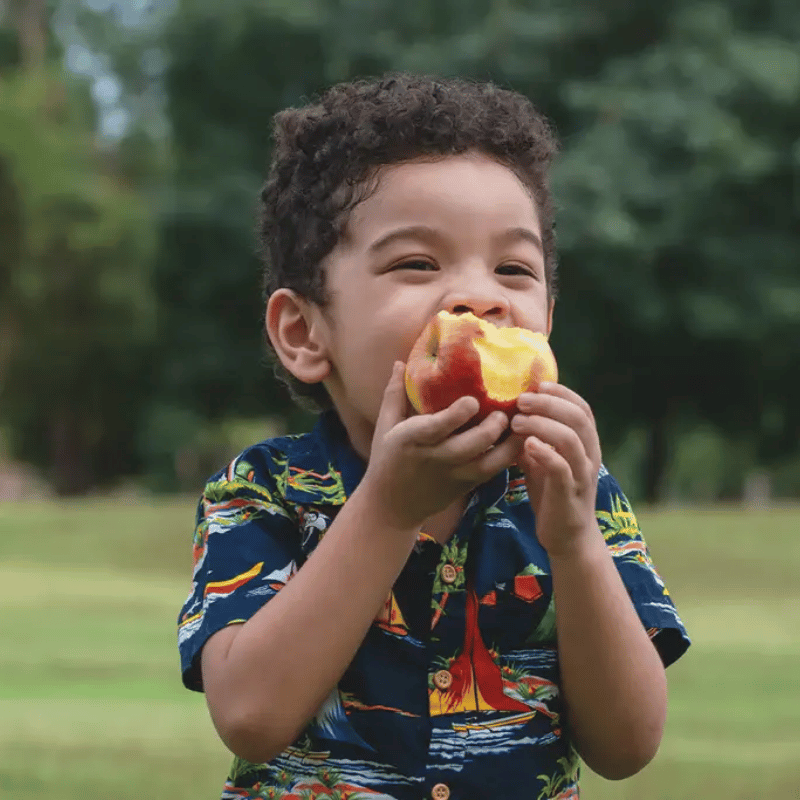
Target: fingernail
525	402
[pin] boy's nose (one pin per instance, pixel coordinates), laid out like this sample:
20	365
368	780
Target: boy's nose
490	307
474	288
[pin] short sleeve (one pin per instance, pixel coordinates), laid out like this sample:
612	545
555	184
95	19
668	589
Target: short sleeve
646	588
245	548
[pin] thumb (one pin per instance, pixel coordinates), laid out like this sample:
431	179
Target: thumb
394	406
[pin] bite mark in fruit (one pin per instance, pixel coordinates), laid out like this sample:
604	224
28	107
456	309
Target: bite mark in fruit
461	354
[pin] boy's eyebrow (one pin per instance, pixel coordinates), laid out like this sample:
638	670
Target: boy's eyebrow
422	232
426	233
526	234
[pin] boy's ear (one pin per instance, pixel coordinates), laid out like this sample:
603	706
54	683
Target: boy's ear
294	327
550	317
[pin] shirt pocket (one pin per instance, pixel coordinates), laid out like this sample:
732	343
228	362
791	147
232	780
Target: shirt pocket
519	613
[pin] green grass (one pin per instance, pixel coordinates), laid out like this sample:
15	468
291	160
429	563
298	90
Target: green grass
91	704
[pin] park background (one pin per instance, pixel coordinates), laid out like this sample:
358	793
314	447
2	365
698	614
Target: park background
134	138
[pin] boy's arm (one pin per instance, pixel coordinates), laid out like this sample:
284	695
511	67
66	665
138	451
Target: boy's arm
266	678
612	676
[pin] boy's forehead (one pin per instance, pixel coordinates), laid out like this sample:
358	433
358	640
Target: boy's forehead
406	190
420	167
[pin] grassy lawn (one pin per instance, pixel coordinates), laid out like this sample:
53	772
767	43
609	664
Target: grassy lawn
91	704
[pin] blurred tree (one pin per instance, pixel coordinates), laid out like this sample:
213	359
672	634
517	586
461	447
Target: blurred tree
78	294
227	75
677	187
677	192
677	226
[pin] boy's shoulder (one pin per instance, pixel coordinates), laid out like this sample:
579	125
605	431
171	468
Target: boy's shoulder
297	468
259	461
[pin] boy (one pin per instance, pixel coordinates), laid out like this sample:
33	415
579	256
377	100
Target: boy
391	606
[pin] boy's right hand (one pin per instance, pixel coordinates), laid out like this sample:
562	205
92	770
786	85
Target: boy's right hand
419	465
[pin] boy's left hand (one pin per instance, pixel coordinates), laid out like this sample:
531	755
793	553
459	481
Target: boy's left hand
560	456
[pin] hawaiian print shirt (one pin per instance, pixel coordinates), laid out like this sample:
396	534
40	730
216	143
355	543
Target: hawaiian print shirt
454	692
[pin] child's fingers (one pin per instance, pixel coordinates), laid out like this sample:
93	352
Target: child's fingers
549	460
490	461
470	444
566	408
560	390
393	407
432	429
554	436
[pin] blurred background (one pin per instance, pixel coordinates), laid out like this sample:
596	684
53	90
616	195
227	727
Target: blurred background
134	137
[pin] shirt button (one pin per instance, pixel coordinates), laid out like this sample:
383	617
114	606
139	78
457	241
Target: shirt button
443	680
440	792
449	573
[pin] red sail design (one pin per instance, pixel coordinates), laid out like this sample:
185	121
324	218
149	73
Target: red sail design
477	681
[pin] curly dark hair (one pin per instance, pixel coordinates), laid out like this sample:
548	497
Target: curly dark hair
326	152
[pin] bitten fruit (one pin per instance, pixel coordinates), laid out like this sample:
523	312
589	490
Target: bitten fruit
460	354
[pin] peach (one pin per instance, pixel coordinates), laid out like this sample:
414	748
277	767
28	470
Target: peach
460	354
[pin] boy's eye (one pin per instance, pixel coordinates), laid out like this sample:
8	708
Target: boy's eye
504	269
516	269
416	264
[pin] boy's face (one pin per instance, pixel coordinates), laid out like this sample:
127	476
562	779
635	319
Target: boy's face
459	234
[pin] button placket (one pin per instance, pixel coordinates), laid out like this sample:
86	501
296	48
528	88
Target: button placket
445	641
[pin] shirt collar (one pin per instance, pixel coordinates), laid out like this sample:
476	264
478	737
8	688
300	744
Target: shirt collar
322	466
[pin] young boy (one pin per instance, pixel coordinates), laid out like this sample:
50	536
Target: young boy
396	605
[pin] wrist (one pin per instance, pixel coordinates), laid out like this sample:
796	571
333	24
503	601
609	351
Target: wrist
587	546
376	506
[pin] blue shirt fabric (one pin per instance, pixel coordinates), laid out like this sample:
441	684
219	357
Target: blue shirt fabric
454	692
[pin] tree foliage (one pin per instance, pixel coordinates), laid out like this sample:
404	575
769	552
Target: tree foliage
678	199
223	85
77	308
680	292
676	187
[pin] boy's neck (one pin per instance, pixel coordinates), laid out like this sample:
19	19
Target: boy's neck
359	433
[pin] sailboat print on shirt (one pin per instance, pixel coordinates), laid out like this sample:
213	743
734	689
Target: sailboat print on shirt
476	680
390	617
331	722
